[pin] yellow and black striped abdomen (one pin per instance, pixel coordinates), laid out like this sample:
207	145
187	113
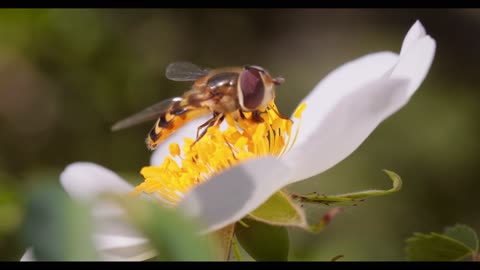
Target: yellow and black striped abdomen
171	120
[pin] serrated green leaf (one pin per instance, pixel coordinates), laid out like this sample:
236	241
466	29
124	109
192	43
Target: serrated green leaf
57	228
263	242
435	247
173	236
279	210
463	234
353	196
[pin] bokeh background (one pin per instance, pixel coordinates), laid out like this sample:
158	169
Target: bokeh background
67	75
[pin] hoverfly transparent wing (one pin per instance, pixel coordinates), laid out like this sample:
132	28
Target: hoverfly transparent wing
185	71
149	114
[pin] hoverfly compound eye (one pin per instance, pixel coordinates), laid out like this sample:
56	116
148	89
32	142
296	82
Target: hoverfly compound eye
252	89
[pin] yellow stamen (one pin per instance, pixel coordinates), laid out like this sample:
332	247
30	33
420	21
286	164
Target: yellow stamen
218	150
174	149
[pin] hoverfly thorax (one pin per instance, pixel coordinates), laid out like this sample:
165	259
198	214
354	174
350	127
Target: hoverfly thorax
256	88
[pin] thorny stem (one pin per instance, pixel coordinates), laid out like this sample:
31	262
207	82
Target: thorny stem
353	196
322	198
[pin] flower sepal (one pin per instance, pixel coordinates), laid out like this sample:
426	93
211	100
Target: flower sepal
281	210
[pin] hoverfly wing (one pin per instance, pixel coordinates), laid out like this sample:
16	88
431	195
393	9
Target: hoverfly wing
149	114
185	71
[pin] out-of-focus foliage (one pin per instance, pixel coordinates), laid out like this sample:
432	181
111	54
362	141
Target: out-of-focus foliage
57	228
262	241
61	229
67	75
173	236
456	243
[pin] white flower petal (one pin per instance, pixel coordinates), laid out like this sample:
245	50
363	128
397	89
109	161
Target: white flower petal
28	256
416	32
328	137
339	83
104	242
415	63
344	128
188	130
84	181
236	192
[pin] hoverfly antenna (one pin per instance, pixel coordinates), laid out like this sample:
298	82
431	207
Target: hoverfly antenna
278	80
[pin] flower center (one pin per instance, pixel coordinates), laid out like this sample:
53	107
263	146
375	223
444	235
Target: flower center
242	139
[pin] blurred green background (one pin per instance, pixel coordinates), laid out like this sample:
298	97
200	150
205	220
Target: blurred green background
67	75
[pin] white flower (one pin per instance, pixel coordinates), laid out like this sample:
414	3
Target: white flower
342	110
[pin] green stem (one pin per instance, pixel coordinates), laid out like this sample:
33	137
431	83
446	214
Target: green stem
236	251
224	237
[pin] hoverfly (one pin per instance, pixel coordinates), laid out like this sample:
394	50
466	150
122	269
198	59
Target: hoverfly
217	91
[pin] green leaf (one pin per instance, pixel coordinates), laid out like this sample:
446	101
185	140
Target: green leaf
57	228
435	247
173	236
354	196
463	234
280	210
262	241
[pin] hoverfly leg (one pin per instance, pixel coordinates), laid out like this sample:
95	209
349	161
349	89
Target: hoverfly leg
242	115
202	126
220	119
205	127
256	117
274	109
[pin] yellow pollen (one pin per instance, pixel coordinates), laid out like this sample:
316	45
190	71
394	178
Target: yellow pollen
242	139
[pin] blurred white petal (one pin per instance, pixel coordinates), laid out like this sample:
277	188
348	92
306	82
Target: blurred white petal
85	180
104	242
114	236
28	256
140	252
236	192
107	209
